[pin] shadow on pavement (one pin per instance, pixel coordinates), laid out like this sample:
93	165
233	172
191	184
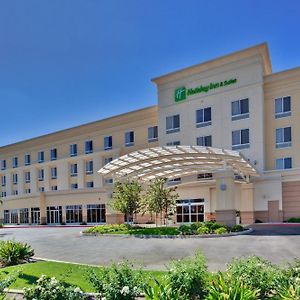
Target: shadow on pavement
275	230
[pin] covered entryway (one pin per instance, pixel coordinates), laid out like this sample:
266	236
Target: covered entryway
179	161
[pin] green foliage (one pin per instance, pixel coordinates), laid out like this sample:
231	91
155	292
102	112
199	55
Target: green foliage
118	282
257	273
185	229
224	286
237	228
203	230
293	220
5	283
221	230
47	288
159	199
127	197
159	291
189	276
13	253
109	228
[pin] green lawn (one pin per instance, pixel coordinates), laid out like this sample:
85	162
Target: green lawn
71	274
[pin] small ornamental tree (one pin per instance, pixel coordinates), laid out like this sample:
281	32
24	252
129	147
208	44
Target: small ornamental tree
127	198
160	200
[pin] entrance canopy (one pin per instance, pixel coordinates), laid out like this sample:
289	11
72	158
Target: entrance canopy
176	161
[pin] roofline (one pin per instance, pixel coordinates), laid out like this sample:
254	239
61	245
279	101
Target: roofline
3	148
285	73
264	52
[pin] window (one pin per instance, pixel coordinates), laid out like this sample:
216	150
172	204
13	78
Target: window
96	213
152	134
203	117
15	178
89	167
41	156
174	181
15	162
3	194
24	215
173	124
27	177
15	192
205	176
129	138
240	109
53	154
282	107
41	189
6	216
27	159
240	139
74	170
27	191
283	163
283	137
73	213
204	141
107	160
41	174
109	181
88	147
73	150
90	184
3	180
175	143
54	188
74	186
53	173
3	164
108	142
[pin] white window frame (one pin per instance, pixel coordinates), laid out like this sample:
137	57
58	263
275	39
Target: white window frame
41	156
285	143
54	188
172	129
74	186
72	150
3	180
283	162
3	164
282	113
15	178
41	174
239	115
27	177
53	151
241	145
15	162
74	169
88	151
89	184
131	141
53	173
107	160
110	142
204	140
27	159
203	123
89	167
152	134
174	143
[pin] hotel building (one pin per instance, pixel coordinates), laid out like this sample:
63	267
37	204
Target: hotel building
232	106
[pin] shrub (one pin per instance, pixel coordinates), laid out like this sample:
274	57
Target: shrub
110	228
13	253
224	286
189	276
185	229
203	230
294	220
118	282
5	283
216	226
47	288
221	230
237	228
256	273
195	226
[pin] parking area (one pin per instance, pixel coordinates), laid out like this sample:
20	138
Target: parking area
278	243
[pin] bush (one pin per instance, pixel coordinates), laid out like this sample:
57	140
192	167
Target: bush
189	276
294	220
257	273
51	289
5	283
221	230
118	282
237	228
224	286
110	228
195	226
185	229
203	230
13	253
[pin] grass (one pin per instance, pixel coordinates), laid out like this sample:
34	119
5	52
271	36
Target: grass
71	274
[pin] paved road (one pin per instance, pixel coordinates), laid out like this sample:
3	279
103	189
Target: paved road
278	244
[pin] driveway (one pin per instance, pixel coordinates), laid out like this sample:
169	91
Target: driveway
276	243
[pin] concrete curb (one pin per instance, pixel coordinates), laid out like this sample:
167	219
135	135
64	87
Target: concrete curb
141	236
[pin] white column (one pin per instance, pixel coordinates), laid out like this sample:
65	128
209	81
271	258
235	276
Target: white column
63	175
80	171
47	178
97	164
8	184
33	179
20	182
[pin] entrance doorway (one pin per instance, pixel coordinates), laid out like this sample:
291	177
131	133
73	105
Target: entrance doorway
273	211
54	214
35	215
190	211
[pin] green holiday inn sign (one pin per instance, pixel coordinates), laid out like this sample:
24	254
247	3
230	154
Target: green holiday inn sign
182	93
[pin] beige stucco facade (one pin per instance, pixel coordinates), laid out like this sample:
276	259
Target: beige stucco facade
272	196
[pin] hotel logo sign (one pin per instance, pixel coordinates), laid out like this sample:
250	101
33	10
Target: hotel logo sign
182	93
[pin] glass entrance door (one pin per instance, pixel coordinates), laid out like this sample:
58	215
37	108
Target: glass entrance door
54	214
190	210
35	215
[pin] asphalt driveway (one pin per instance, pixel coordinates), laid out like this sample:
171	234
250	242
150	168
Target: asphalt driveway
276	243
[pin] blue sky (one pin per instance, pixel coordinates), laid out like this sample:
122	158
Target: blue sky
67	62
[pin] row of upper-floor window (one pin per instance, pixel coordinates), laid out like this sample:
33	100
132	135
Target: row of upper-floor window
88	148
239	110
73	168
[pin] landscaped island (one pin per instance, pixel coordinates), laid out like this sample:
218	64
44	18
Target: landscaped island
200	228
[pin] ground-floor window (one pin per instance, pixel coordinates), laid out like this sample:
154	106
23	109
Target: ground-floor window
54	214
190	210
96	213
73	213
24	216
6	216
14	216
35	215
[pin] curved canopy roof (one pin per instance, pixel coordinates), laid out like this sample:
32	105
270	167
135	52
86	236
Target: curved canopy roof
176	161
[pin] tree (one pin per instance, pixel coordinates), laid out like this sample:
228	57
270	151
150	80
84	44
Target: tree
160	200
127	198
